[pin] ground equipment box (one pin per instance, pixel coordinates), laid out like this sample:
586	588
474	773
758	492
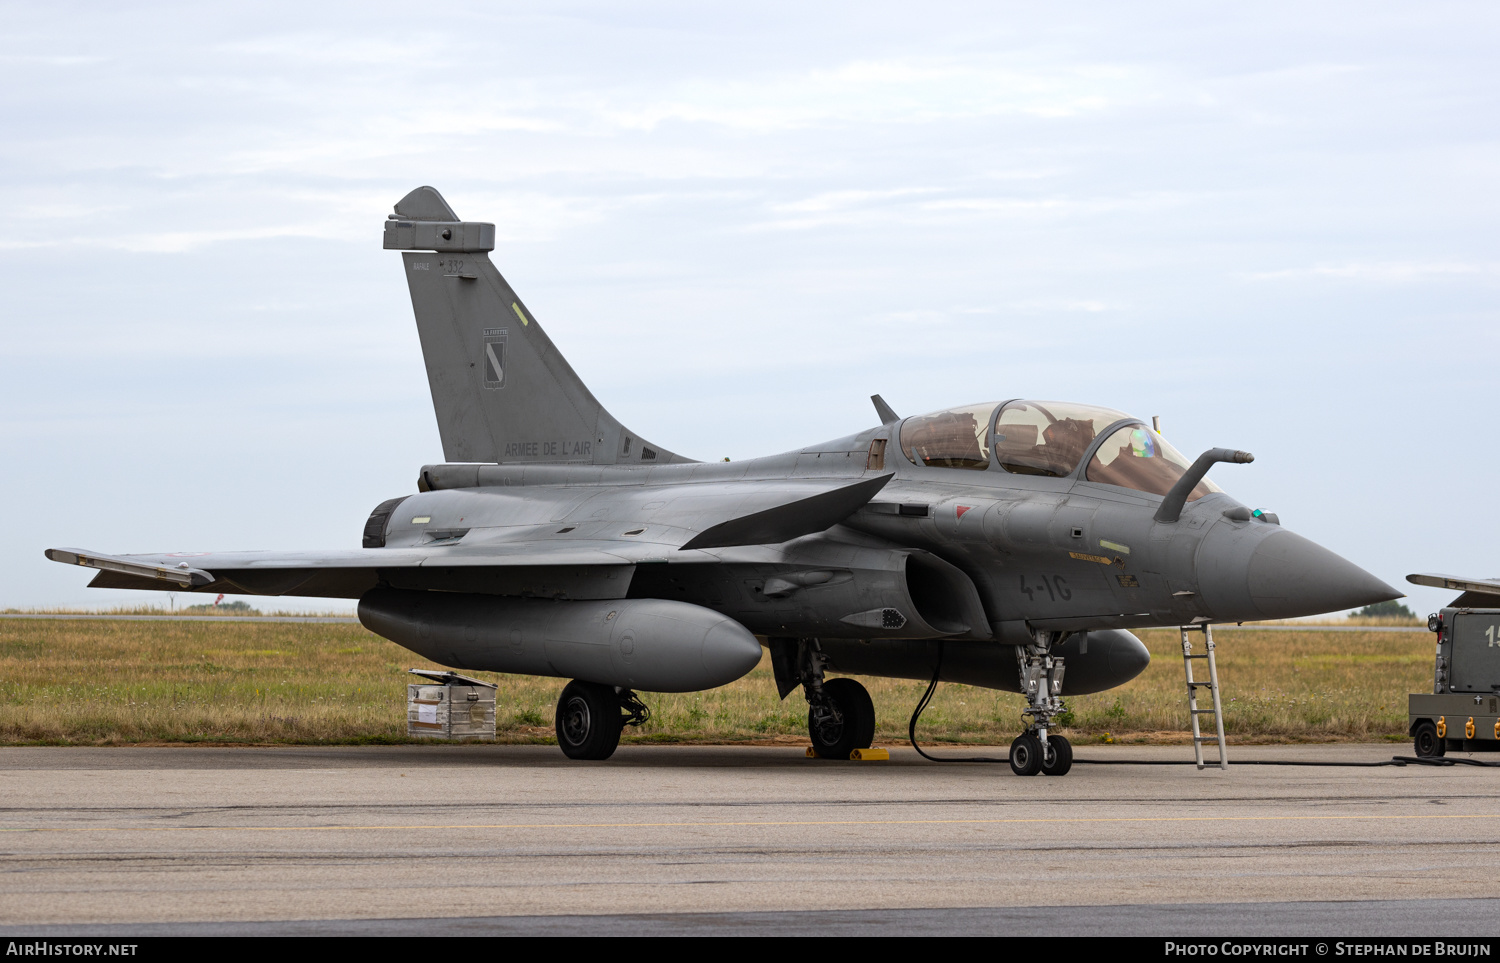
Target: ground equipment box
1463	711
450	706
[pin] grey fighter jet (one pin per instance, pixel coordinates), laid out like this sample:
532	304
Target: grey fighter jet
1008	544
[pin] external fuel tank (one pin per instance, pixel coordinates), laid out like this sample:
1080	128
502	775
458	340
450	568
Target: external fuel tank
651	644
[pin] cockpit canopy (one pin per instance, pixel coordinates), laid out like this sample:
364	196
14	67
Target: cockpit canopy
1047	438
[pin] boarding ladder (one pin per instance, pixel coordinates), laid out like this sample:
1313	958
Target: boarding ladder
1212	685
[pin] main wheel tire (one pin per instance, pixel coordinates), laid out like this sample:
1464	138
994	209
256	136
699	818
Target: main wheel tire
1425	740
854	700
835	740
1058	757
588	720
1026	755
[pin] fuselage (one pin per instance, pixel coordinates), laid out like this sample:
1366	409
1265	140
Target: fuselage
1042	551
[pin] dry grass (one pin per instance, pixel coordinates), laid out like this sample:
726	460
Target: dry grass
104	682
193	606
1362	621
1277	687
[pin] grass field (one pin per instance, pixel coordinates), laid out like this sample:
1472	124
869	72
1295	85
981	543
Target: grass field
113	682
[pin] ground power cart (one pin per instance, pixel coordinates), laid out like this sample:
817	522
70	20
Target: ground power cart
1463	711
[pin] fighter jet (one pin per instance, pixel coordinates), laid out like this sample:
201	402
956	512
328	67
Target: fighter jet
1008	544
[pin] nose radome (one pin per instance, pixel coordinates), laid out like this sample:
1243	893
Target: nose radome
1291	576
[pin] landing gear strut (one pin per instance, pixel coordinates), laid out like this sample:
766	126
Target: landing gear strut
589	718
1041	672
840	714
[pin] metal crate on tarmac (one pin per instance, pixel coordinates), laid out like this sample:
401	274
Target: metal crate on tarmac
450	706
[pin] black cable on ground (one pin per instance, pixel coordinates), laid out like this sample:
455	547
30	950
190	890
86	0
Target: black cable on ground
1394	761
1440	761
911	727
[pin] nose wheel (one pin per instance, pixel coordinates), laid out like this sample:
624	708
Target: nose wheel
1026	755
1057	759
1029	756
1036	750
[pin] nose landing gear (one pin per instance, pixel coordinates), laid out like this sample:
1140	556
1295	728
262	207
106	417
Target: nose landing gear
1029	755
1035	750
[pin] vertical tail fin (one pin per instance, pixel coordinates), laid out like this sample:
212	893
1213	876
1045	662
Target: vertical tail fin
501	391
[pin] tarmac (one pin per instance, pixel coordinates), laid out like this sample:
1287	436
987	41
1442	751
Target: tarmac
674	840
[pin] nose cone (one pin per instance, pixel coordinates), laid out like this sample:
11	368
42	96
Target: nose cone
1102	659
1290	576
1129	657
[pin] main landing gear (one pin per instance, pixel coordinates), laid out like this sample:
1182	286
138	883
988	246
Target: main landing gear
1041	672
840	714
591	715
840	718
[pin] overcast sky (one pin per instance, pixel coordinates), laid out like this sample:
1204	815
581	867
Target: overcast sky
1274	226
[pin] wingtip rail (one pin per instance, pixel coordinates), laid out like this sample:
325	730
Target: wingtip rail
182	573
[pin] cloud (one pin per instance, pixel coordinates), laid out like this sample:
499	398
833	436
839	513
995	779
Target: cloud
50	60
1395	272
918	205
896	91
1065	304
